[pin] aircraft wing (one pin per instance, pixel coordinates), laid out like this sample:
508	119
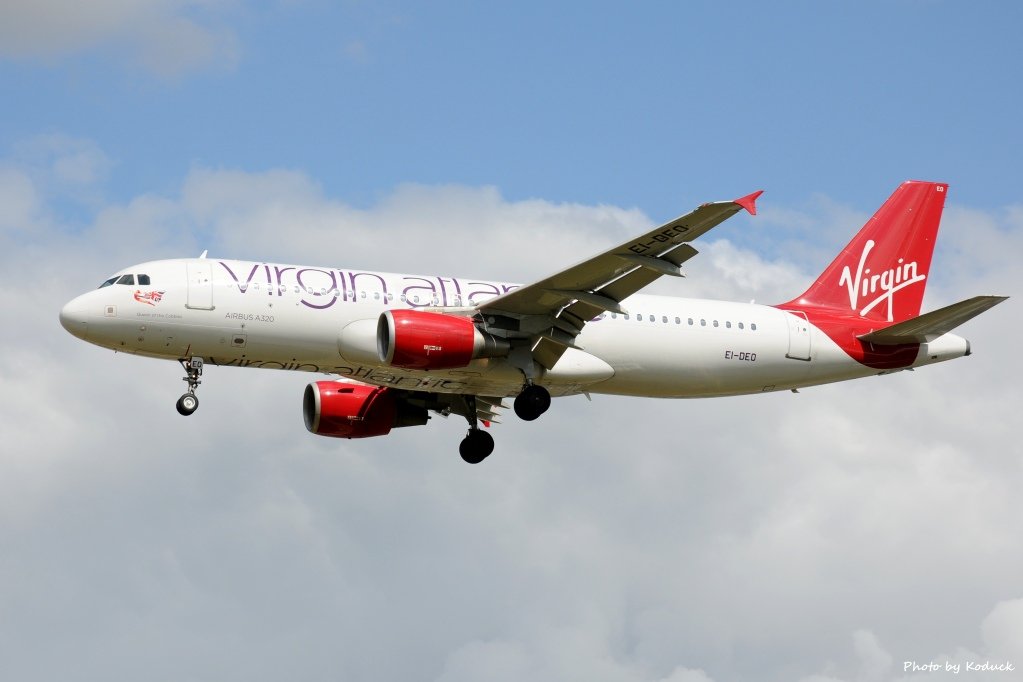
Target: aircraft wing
930	326
554	310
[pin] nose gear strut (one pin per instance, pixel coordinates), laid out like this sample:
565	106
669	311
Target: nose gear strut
189	403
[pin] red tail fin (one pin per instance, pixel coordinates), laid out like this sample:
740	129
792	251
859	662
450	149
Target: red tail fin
882	273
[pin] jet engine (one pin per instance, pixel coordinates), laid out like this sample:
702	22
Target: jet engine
415	339
343	409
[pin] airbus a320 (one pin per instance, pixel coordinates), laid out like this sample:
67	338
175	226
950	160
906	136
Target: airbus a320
404	346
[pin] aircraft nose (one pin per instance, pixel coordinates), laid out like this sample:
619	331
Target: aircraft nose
73	318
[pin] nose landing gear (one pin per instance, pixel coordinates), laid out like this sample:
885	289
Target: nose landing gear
189	403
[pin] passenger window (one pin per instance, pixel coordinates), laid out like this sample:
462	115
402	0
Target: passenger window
678	320
740	326
753	326
728	325
144	280
715	323
376	296
626	316
664	319
614	316
703	323
690	322
126	279
362	295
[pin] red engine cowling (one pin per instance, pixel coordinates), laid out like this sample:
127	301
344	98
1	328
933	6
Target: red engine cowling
353	410
414	339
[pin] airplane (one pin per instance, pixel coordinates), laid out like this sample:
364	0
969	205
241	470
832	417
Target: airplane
404	346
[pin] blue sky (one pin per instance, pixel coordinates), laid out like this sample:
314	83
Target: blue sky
827	536
656	105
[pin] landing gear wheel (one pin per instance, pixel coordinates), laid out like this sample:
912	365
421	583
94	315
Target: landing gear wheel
187	404
476	446
532	402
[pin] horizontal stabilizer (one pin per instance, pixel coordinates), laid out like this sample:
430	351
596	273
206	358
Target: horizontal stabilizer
930	326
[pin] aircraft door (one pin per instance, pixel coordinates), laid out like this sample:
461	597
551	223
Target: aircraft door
799	336
200	285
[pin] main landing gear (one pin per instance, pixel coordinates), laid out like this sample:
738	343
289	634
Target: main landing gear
477	444
189	403
532	402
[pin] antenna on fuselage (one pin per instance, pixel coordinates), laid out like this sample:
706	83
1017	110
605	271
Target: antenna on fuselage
204	252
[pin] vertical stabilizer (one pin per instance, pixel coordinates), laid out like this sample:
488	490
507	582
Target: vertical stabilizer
881	275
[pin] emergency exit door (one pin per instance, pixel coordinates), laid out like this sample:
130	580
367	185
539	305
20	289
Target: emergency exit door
799	336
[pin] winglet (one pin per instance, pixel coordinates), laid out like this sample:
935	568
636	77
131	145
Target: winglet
749	202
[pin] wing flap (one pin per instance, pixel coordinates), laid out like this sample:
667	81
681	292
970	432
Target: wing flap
930	326
488	409
547	352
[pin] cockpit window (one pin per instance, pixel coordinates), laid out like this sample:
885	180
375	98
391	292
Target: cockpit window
108	282
144	280
126	279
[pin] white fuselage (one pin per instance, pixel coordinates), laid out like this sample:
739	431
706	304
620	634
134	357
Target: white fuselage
291	317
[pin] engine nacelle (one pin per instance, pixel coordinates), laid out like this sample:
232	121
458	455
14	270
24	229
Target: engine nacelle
342	409
414	339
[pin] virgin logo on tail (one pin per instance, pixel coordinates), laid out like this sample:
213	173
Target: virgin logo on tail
884	284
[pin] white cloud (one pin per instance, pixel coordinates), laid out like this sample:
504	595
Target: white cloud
165	35
1003	631
449	229
875	662
64	167
826	535
19	199
687	675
